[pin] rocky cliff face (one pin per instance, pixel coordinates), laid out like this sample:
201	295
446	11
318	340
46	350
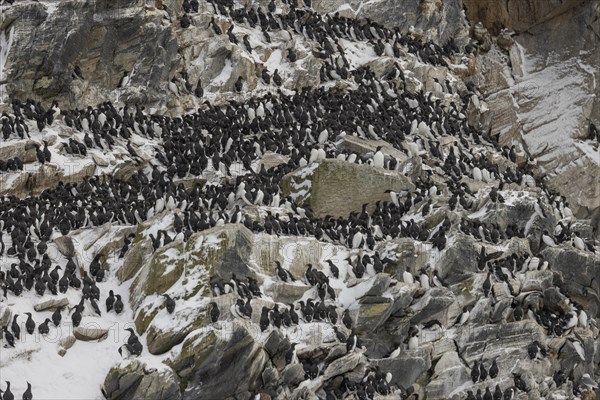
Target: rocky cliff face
550	92
551	65
364	199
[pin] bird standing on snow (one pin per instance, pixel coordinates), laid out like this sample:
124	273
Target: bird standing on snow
110	300
118	306
170	303
27	395
8	395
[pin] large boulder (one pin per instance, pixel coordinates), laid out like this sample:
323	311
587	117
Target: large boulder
129	35
459	261
337	188
220	251
580	272
51	304
22	149
406	368
47	176
65	245
509	339
90	334
406	253
216	252
355	144
434	304
343	365
449	374
135	380
138	255
218	369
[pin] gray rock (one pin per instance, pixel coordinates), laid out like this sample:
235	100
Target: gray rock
403	297
406	252
230	253
479	114
433	305
125	169
373	313
555	301
271	160
138	40
65	344
276	343
65	245
23	149
336	188
52	304
459	261
536	281
226	368
336	352
570	357
406	368
449	374
137	255
134	380
292	374
480	314
548	24
90	334
379	284
578	270
270	377
343	365
100	160
510	338
287	293
5	315
358	145
45	177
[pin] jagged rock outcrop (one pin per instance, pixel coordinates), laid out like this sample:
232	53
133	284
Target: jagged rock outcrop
580	275
544	63
217	369
135	380
440	20
130	33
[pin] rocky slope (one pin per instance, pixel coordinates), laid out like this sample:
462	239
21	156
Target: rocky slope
382	210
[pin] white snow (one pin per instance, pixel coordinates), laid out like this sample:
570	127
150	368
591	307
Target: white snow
51	6
80	372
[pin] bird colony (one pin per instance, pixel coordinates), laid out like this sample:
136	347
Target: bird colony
360	237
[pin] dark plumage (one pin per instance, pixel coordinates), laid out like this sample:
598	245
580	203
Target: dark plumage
169	303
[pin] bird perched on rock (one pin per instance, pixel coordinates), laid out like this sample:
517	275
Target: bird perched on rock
214	312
